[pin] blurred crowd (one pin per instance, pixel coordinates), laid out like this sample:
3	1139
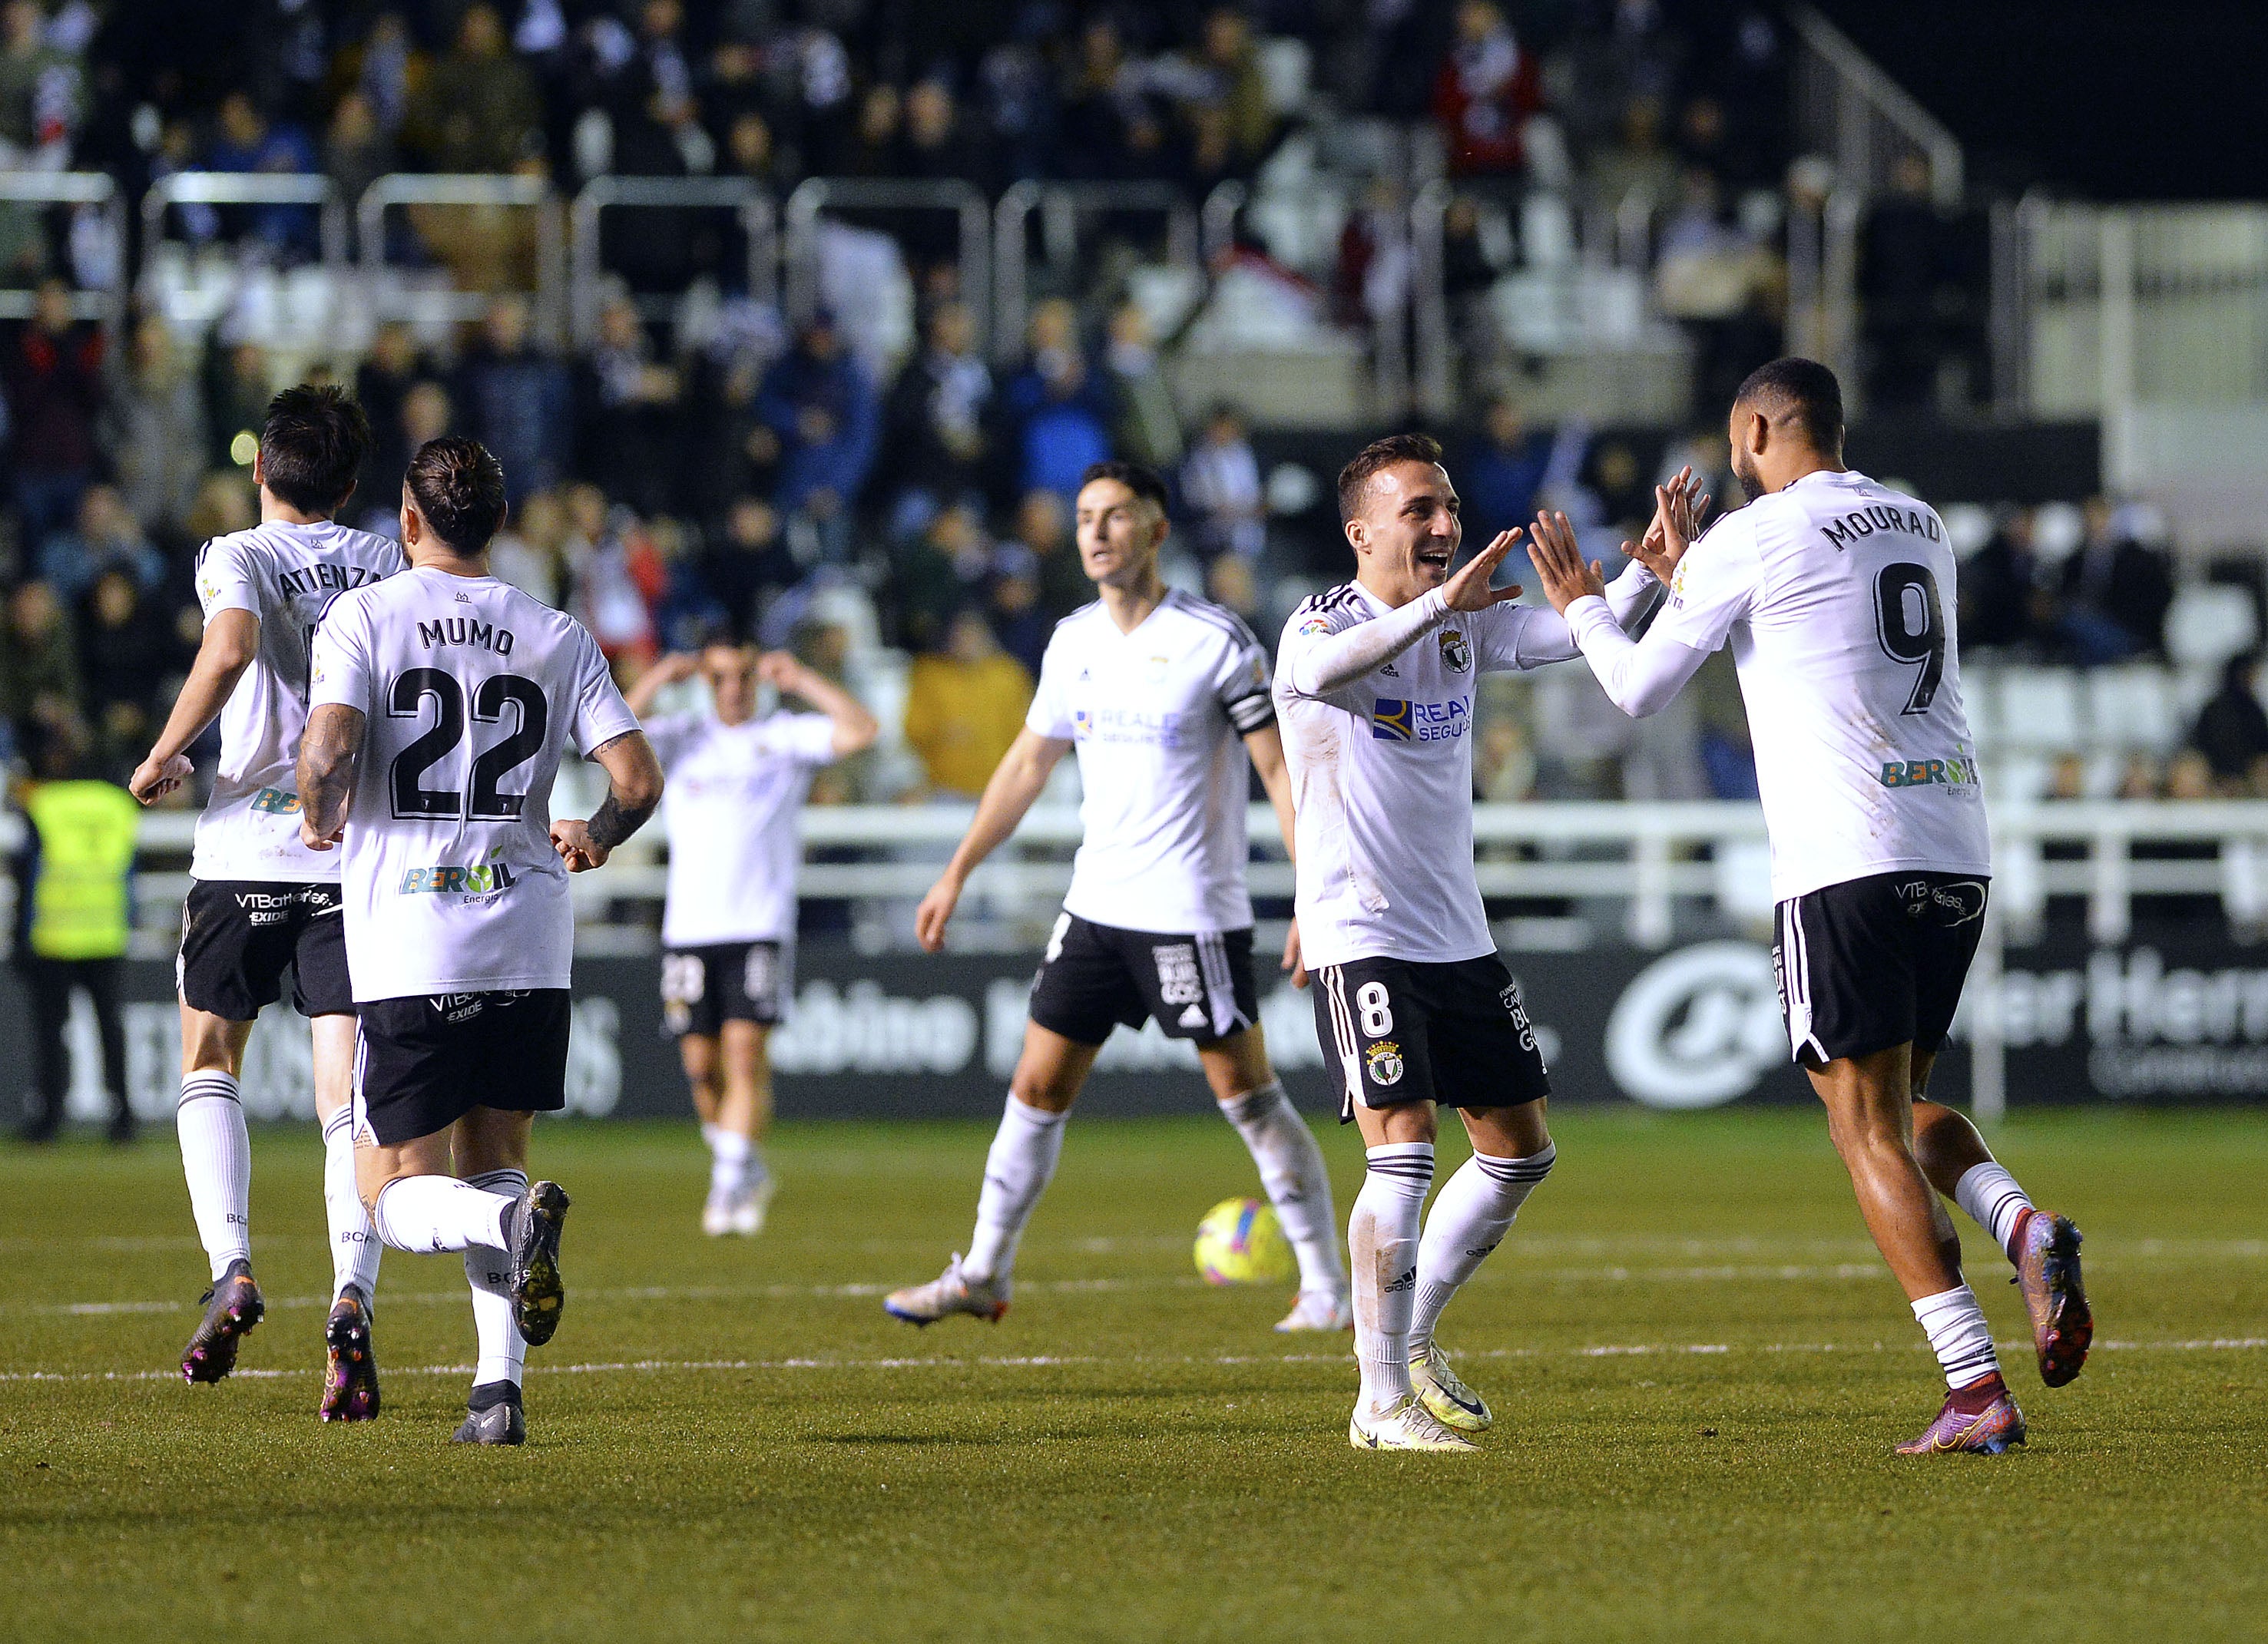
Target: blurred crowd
903	516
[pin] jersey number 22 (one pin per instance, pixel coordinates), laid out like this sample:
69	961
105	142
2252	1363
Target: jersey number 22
486	801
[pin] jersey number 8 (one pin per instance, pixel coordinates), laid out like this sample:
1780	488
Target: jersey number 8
486	801
1910	622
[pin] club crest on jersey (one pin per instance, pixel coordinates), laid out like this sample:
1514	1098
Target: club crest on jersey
1384	1061
482	878
1397	719
1456	651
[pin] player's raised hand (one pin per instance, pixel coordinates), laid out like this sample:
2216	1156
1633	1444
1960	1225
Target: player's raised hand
1679	509
154	778
780	669
1558	561
571	839
1291	960
1469	588
936	909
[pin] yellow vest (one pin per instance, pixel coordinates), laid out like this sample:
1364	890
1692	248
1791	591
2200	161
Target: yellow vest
79	900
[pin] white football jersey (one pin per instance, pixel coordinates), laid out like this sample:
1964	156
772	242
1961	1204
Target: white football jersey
733	794
1382	776
470	691
287	576
1837	596
1158	717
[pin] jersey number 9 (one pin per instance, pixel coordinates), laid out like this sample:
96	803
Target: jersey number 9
1911	621
486	801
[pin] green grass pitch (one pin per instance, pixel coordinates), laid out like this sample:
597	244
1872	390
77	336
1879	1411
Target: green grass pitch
1698	1364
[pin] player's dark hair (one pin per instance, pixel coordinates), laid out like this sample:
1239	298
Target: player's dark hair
1805	393
312	446
1355	478
1143	482
458	485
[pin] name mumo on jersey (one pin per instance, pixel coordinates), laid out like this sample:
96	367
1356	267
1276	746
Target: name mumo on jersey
465	631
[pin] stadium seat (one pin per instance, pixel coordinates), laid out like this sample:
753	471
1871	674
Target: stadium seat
2210	623
1980	701
2133	707
2040	709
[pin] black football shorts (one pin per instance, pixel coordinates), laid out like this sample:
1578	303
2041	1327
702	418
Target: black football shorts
1876	962
702	989
1400	1032
423	1062
239	935
1096	977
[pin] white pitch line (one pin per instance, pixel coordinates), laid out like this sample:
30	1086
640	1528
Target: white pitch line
1052	1360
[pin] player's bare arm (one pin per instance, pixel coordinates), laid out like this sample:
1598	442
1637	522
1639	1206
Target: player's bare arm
232	642
330	751
1016	782
1265	747
854	728
633	794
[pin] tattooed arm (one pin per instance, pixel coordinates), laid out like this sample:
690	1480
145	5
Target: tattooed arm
329	753
633	791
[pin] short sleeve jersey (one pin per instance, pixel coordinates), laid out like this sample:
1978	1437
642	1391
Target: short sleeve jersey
470	691
1383	777
287	575
1836	597
730	808
1158	717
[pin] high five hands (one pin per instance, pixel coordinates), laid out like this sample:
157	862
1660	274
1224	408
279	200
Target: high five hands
1678	508
1468	590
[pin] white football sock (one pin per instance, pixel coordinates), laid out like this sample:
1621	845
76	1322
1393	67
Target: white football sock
355	1247
1382	1243
504	1350
1016	1172
1992	1201
1958	1335
728	1164
1469	1218
432	1214
217	1159
1297	1184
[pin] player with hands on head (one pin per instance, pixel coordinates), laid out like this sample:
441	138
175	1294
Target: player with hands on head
1374	687
258	900
737	781
1836	597
443	699
1165	696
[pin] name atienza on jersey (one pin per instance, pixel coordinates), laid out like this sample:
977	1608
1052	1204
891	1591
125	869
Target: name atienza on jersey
470	691
287	575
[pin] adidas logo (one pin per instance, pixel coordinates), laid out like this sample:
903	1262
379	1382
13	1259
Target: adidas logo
1194	1017
1388	668
1407	1281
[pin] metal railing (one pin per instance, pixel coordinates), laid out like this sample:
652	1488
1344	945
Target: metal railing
817	195
1060	206
759	224
245	189
510	191
77	188
1648	858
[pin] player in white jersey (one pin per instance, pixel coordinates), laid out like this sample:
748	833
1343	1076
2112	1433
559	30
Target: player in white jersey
1164	696
1374	684
258	901
1836	596
737	781
442	701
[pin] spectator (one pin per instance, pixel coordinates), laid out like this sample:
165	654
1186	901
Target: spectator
127	653
53	378
1485	90
1044	526
382	382
1145	424
237	390
1012	603
937	142
1902	255
526	553
39	664
877	142
941	413
1638	171
42	95
1238	91
821	404
2232	729
517	401
937	573
627	410
965	703
154	425
247	140
1999	587
1096	109
1061	412
1220	482
1502	472
621	581
479	111
2116	589
358	151
107	537
747	564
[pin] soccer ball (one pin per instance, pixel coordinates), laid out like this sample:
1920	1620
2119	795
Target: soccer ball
1240	1242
